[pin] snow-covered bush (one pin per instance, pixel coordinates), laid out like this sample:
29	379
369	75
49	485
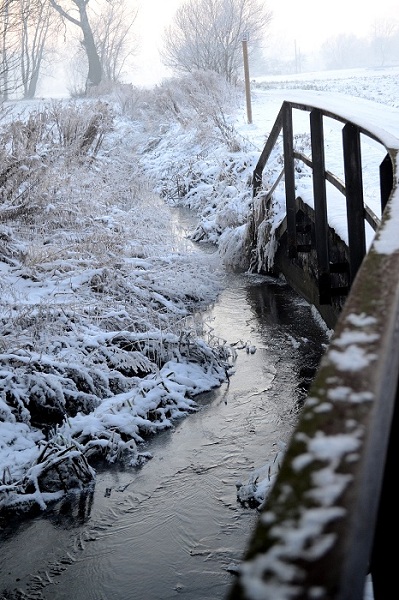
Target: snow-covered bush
202	100
101	340
33	151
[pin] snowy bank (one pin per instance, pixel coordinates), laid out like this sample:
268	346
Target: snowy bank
102	340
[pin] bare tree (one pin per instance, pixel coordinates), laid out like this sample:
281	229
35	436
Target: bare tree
344	51
112	30
207	35
36	21
75	11
383	34
9	56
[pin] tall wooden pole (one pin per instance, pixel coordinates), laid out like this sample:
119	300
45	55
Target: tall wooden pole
246	73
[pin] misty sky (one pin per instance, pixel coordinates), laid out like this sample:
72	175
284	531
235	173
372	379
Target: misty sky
300	26
311	22
306	23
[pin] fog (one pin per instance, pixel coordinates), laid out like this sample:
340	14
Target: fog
293	42
296	34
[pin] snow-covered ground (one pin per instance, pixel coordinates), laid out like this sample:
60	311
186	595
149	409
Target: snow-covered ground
102	340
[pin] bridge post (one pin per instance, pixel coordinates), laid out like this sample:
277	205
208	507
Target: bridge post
320	205
289	171
386	180
354	197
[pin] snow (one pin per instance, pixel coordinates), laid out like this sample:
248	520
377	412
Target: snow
102	295
353	358
323	447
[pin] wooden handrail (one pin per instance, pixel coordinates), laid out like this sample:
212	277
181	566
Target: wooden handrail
325	524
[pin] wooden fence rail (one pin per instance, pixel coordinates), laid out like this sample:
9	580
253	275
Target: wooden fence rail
333	510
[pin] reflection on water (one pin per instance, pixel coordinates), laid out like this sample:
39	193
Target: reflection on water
73	510
174	525
280	310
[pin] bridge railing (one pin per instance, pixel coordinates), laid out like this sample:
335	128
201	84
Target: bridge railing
327	520
358	213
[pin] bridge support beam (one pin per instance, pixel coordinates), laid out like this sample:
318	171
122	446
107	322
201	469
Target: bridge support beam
289	173
354	197
320	205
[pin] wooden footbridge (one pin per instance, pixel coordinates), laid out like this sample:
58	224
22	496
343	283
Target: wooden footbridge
331	517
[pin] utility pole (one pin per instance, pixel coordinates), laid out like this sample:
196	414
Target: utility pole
245	39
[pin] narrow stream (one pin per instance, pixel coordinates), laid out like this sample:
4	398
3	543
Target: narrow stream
174	526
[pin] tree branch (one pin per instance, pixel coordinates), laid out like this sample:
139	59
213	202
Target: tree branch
64	14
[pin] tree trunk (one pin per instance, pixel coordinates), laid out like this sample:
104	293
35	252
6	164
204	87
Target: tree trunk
31	90
94	75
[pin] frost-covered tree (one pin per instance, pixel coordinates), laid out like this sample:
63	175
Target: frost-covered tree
25	27
75	12
36	22
344	51
383	35
112	30
8	47
207	35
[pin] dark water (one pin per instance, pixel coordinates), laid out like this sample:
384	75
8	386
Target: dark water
174	527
